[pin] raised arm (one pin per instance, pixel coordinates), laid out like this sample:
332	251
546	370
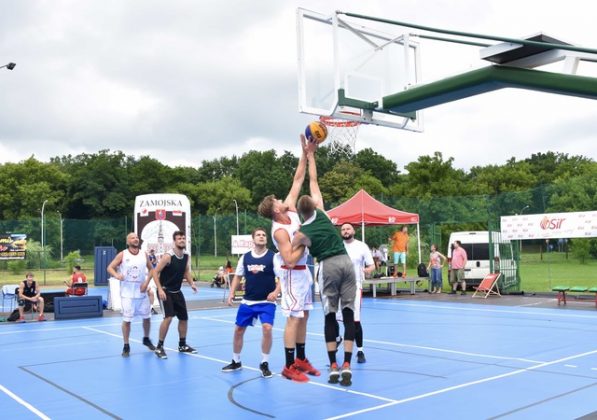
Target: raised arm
309	148
297	182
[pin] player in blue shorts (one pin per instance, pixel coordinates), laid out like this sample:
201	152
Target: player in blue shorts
261	291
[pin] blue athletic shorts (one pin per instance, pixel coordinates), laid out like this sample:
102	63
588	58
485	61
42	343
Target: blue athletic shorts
248	314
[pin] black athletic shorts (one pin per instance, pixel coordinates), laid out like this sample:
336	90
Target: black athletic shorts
175	305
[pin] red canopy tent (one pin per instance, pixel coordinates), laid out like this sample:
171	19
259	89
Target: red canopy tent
364	210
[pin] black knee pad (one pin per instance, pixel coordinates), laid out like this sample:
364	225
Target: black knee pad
330	327
349	327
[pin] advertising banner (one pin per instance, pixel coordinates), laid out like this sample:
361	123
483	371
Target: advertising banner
241	244
550	225
13	246
158	216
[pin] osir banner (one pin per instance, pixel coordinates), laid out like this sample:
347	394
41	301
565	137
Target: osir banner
13	246
550	225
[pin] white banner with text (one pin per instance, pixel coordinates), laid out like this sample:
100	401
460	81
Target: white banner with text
241	244
550	225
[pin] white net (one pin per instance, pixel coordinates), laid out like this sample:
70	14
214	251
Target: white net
341	133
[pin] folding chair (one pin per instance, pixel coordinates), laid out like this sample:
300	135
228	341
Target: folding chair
489	286
9	293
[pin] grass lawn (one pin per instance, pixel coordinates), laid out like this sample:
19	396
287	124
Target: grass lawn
204	267
540	275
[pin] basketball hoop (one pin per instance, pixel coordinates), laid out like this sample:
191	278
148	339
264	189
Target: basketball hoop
341	133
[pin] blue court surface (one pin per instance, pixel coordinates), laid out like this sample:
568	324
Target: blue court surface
426	359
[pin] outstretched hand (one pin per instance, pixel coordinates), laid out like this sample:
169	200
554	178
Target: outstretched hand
308	146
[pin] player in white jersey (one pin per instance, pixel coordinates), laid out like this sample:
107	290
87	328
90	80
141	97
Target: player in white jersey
363	264
133	268
295	283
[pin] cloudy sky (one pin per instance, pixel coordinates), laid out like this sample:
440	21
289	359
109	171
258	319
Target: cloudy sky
184	81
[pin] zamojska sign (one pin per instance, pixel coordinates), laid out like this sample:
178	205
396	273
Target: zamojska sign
550	225
13	246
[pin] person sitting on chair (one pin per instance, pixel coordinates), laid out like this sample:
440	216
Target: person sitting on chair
78	277
219	278
30	295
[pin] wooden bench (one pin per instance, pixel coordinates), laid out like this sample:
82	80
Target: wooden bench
78	307
392	282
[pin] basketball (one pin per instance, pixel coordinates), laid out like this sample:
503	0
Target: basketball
316	132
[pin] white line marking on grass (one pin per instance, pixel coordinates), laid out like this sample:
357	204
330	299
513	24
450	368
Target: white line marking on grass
412	346
464	385
225	362
23	403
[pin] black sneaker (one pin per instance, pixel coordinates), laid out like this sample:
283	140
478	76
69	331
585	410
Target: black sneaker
463	293
147	342
186	349
159	352
453	292
361	357
126	351
264	367
237	366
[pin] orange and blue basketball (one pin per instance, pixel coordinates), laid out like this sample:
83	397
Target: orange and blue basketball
316	132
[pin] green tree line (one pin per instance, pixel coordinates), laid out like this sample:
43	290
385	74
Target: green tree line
103	186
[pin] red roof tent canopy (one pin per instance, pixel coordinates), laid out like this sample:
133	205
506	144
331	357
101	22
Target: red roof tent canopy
362	209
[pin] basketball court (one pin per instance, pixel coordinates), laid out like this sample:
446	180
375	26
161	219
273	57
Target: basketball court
425	358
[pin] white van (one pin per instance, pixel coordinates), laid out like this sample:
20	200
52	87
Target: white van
476	245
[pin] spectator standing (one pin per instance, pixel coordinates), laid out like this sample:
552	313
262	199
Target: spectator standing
400	249
436	263
458	263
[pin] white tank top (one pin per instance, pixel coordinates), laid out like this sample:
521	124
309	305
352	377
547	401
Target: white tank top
291	228
134	269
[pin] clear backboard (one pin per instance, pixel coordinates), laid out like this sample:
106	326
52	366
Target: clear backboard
345	69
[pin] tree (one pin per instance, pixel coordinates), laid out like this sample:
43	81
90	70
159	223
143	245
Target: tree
378	166
263	173
24	186
99	185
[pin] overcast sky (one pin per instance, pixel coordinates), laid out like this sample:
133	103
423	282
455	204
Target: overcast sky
186	81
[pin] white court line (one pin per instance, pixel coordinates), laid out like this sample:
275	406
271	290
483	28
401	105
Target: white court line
412	346
225	362
24	403
464	385
464	307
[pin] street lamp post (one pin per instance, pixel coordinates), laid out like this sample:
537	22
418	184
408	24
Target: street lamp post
520	241
215	233
8	66
236	205
43	206
61	236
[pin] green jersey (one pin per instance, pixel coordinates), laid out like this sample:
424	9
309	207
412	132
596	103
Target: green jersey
325	239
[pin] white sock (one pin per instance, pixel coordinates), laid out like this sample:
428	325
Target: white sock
236	357
359	348
264	357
